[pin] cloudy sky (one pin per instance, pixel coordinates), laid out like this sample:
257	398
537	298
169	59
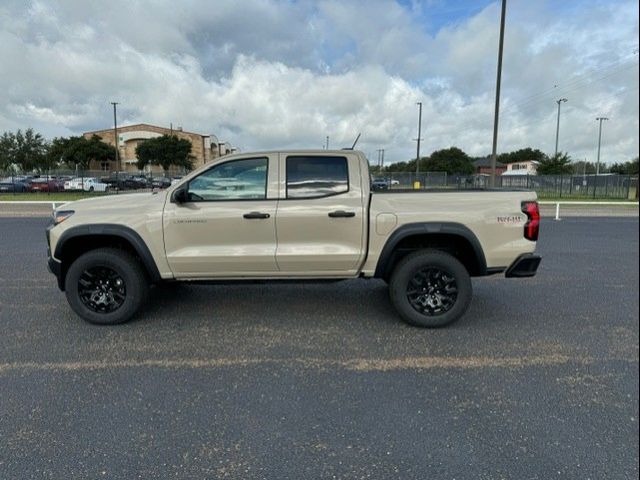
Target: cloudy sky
274	74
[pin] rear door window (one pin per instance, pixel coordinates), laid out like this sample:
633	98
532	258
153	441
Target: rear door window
315	177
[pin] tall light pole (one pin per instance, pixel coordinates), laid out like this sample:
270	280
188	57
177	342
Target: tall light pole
559	101
327	144
115	135
497	109
418	139
600	119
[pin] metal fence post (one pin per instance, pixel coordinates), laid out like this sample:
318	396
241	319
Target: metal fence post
570	185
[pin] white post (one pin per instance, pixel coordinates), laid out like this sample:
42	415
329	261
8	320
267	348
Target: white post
558	211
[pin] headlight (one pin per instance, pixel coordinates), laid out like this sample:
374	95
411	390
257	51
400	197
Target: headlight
61	215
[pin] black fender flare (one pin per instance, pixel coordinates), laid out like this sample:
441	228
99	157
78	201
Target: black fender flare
124	232
427	228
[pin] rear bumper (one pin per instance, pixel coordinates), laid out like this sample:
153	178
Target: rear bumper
526	265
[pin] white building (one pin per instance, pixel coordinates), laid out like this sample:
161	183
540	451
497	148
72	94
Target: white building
528	167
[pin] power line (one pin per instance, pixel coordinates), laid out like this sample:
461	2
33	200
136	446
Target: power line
577	78
563	89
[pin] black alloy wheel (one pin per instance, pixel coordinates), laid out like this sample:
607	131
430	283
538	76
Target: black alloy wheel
430	288
432	291
106	286
102	289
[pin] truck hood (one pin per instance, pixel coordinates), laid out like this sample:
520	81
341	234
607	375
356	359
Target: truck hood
133	202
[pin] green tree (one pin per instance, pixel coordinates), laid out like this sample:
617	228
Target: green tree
26	151
559	164
522	155
451	160
165	151
401	166
7	147
81	151
30	150
55	153
625	168
583	167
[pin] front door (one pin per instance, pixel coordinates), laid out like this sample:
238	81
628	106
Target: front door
227	225
321	215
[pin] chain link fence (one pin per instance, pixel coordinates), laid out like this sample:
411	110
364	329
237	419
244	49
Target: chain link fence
87	182
605	186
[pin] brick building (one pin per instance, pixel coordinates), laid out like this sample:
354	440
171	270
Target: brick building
204	148
482	166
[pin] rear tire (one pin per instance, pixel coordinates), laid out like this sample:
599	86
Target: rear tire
430	288
106	286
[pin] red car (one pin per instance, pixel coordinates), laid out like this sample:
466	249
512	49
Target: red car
45	185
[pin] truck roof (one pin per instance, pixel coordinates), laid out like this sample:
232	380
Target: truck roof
297	152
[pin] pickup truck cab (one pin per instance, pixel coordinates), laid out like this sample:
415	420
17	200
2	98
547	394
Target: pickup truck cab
291	215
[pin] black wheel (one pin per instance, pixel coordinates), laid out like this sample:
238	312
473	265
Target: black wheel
91	189
106	286
430	288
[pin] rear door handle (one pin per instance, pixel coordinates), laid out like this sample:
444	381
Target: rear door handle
342	213
252	215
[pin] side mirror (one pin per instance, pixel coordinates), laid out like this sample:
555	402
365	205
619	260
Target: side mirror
181	195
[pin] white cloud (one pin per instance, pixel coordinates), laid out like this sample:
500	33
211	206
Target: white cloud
276	74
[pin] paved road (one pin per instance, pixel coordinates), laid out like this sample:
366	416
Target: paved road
539	380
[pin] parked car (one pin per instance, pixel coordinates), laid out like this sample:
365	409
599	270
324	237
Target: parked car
126	181
88	184
14	185
140	182
319	221
44	184
160	182
379	184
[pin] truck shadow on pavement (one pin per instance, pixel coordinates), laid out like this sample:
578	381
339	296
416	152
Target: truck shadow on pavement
348	302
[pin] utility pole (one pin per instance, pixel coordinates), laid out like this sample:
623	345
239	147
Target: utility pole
380	159
327	144
600	119
418	139
497	109
559	101
115	135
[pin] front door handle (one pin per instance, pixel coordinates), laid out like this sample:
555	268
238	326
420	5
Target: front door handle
252	215
342	214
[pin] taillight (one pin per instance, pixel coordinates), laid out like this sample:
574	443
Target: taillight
532	227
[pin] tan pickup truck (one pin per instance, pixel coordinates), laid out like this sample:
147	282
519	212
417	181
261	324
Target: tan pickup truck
291	215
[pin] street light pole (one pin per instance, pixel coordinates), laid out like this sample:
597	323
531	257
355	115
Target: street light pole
327	145
559	101
419	133
115	136
600	119
497	109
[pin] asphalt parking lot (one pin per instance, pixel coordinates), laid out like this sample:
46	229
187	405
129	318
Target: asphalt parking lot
539	380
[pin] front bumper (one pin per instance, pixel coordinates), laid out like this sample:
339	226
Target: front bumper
526	265
53	265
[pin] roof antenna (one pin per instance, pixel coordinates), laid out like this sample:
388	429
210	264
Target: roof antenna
354	143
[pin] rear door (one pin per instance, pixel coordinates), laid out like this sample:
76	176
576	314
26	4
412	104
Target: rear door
227	227
320	221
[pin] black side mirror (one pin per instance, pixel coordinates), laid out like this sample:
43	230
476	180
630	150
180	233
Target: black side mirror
181	195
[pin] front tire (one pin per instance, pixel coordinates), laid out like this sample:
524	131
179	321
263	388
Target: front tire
430	288
106	286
